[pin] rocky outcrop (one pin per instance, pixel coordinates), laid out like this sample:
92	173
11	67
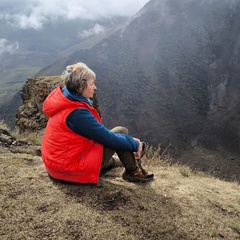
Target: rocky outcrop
30	116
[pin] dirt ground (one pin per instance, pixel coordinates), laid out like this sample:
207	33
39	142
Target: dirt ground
221	164
178	204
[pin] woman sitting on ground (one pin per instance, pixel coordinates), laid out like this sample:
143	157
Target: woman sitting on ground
76	145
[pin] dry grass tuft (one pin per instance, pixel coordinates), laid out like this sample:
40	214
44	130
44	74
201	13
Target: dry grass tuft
4	126
33	138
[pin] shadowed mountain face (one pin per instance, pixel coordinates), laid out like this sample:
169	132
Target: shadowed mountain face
171	73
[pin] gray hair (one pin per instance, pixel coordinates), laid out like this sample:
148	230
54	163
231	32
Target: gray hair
75	77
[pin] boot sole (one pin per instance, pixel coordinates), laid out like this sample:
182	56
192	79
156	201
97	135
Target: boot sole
134	179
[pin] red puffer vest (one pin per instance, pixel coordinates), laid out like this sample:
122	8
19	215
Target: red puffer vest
67	155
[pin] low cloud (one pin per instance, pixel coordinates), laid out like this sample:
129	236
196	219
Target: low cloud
97	29
8	47
35	13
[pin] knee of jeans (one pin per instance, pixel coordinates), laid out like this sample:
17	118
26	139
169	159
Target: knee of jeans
120	129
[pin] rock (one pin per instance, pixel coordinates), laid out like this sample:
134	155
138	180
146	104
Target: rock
8	141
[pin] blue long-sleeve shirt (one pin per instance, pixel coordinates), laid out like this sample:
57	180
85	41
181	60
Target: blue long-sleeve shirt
82	122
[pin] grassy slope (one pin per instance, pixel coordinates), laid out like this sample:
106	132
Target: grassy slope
12	81
178	204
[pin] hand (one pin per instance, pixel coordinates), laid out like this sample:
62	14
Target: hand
138	154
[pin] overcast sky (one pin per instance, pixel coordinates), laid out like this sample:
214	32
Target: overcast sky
35	13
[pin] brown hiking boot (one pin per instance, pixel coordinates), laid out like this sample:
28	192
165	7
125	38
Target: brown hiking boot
139	175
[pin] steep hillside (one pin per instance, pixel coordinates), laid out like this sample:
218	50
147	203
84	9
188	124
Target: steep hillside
171	74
